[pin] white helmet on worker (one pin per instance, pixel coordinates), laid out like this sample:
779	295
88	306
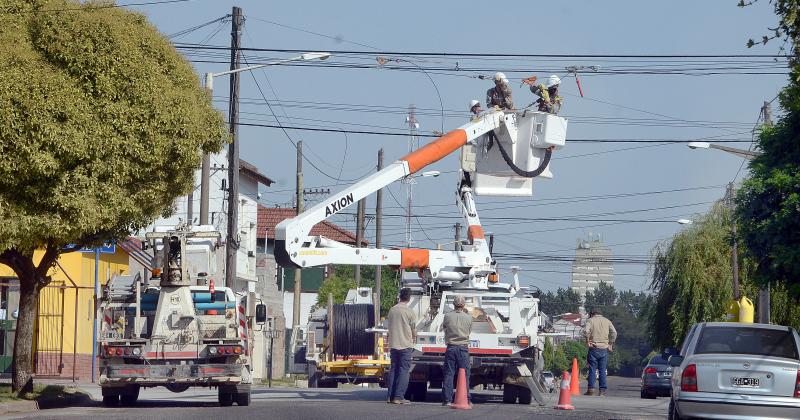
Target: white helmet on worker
553	80
473	102
500	77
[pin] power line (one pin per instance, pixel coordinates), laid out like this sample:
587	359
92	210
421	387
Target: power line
387	133
513	55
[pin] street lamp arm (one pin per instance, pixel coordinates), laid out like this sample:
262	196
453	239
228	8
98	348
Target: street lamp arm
209	80
747	154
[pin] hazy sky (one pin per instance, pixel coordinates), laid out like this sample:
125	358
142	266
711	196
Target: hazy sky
625	104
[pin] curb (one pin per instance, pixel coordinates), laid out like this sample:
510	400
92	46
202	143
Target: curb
17	407
12	407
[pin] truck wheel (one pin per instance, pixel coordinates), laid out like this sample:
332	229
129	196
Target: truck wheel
313	375
110	400
328	384
129	395
243	399
417	391
524	395
225	397
509	394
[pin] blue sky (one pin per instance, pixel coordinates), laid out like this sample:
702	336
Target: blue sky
615	106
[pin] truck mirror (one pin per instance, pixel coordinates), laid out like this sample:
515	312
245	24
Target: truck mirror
261	313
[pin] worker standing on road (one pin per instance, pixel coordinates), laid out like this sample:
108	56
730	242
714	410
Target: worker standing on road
500	94
600	335
549	100
456	325
402	334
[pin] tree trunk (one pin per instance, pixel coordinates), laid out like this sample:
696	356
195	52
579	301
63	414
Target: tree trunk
22	373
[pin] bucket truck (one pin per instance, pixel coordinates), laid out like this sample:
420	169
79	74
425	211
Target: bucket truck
501	152
183	333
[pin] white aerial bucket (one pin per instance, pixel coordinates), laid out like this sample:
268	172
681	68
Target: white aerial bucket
525	137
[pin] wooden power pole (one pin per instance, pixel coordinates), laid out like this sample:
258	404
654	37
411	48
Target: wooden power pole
231	241
298	274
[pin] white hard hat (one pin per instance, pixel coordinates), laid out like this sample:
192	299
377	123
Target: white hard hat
552	81
473	102
500	76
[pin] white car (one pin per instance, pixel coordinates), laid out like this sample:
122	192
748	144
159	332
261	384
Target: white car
732	370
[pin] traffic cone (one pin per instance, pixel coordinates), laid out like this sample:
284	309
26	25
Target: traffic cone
574	385
564	402
461	402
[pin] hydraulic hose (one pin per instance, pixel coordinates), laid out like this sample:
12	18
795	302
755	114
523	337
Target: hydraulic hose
527	174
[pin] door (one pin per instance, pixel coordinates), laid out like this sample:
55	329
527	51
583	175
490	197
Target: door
49	337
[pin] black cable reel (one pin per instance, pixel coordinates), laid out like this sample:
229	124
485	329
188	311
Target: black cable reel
349	325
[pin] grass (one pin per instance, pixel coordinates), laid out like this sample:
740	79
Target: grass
290	382
40	392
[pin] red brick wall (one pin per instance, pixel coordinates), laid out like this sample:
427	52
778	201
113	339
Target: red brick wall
77	367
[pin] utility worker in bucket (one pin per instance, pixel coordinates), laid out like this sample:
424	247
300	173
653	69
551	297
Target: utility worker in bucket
549	100
457	326
500	94
475	107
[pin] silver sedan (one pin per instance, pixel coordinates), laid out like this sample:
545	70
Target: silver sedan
731	370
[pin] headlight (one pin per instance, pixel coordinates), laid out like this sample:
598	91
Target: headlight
137	351
212	350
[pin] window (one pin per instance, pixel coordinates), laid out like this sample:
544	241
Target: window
743	340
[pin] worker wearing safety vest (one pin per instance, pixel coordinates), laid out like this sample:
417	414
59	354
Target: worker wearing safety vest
549	101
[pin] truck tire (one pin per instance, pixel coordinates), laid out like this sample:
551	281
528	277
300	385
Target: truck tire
417	391
129	395
313	375
243	399
509	394
111	400
328	384
524	395
225	397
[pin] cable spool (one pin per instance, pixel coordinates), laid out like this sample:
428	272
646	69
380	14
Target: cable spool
349	325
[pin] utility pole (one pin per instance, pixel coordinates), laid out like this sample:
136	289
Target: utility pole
735	247
764	297
378	233
298	274
457	242
359	235
413	140
232	242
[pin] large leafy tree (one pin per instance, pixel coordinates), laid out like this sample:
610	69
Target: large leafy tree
560	302
101	124
768	204
603	295
692	277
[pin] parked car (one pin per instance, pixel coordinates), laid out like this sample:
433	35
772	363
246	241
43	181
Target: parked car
657	378
736	370
549	380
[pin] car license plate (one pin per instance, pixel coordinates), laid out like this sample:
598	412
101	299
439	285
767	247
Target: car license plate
745	382
666	375
474	343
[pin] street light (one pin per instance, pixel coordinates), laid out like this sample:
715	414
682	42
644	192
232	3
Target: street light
764	297
685	221
233	163
746	154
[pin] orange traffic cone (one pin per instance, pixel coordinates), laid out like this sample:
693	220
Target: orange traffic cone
563	397
574	385
461	402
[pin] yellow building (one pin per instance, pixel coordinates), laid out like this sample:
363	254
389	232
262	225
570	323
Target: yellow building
63	338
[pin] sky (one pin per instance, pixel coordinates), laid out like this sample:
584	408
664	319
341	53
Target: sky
648	185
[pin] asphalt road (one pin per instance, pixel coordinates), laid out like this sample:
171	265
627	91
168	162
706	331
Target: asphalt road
350	403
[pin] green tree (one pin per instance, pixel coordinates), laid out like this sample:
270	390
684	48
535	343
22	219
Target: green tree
603	295
390	281
336	285
101	122
768	203
563	301
692	278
